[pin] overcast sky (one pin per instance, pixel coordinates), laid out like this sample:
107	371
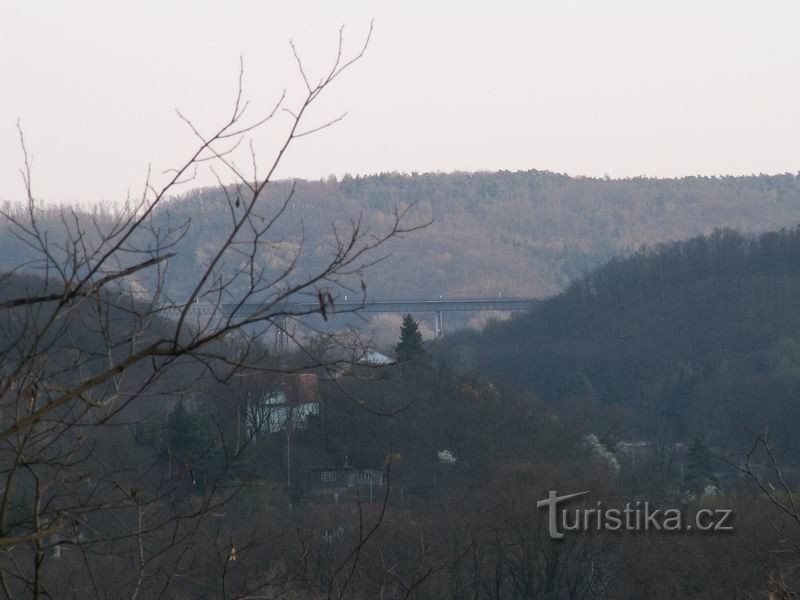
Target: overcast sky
618	87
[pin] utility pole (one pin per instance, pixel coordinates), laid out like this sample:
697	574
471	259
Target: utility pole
289	467
281	334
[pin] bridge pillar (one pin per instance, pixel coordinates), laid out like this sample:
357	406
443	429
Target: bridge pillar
438	325
281	334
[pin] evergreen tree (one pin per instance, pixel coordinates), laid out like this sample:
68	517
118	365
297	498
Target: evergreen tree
191	442
699	471
410	345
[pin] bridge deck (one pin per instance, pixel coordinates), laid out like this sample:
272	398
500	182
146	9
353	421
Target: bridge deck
384	306
398	306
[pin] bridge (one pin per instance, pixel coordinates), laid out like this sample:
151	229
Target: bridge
288	309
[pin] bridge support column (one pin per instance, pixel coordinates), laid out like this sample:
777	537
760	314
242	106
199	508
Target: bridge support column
281	334
438	325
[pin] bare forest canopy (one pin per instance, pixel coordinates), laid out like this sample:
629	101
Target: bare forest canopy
687	339
146	459
512	233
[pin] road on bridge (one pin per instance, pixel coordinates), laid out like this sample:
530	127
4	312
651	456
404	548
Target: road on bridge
440	306
374	306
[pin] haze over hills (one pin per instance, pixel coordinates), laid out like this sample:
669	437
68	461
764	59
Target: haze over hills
626	383
345	303
511	233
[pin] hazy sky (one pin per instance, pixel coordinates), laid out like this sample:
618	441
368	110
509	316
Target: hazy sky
618	87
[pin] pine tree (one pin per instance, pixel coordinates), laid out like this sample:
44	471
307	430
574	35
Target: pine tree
699	469
410	345
189	434
192	444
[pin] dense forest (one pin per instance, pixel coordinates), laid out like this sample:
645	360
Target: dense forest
685	339
524	234
219	488
279	322
158	453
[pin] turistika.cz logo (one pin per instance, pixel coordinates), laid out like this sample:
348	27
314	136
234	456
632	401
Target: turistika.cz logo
636	516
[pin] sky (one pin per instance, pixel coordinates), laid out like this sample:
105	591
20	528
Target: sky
619	87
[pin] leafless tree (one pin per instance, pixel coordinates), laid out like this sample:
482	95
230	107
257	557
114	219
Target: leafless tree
762	467
83	364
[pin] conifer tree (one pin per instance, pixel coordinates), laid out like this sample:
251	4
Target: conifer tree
410	345
699	469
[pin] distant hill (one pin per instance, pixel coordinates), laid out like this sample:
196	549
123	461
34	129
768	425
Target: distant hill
516	233
700	337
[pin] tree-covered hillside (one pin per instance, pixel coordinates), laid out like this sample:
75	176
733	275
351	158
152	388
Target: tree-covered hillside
700	337
516	233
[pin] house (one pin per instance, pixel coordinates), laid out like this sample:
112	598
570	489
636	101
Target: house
373	358
290	405
335	483
366	364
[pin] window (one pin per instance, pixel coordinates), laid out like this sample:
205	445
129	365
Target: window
328	476
365	475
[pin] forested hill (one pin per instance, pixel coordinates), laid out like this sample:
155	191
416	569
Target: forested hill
520	234
700	337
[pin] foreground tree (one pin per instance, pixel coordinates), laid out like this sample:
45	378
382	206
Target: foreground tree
760	464
93	352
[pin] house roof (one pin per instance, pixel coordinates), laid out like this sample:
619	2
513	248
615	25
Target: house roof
373	357
346	468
